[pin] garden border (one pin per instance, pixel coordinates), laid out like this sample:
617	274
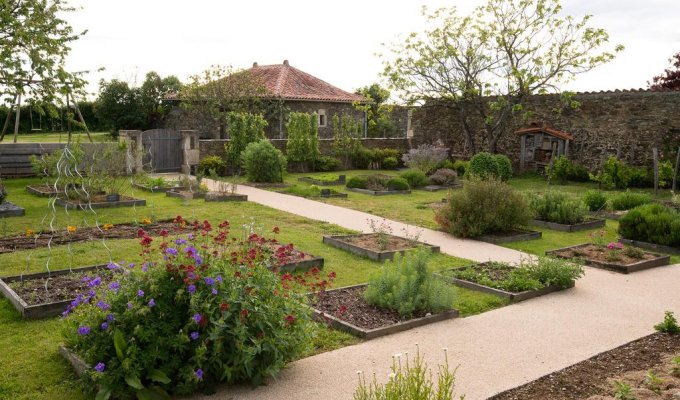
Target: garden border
181	194
13	210
319	182
378	192
78	364
44	310
219	197
129	202
368	334
157	189
303	265
592	223
437	188
33	189
519	236
336	241
651	246
660	261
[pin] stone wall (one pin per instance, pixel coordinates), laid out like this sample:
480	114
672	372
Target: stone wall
624	123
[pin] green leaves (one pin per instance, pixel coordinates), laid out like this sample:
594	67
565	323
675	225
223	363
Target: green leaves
104	393
119	344
159	376
134	382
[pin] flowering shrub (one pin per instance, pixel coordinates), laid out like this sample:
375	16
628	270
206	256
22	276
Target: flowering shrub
426	157
202	308
444	176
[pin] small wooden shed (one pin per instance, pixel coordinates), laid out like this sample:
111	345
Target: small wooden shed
540	144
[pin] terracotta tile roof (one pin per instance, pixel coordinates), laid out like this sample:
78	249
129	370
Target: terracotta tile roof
538	128
289	83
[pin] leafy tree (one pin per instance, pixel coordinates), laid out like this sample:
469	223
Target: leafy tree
119	106
670	79
303	138
485	65
244	128
378	112
152	92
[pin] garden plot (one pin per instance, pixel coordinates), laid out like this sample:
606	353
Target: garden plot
614	257
376	246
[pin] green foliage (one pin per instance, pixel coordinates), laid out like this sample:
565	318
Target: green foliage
405	285
675	371
378	113
461	166
398	184
119	106
614	174
106	170
346	134
306	191
357	182
244	128
563	170
628	200
303	138
214	163
483	207
652	223
263	162
633	252
595	200
623	391
165	330
503	167
669	324
410	380
490	166
653	382
327	164
444	177
558	207
425	157
415	178
390	163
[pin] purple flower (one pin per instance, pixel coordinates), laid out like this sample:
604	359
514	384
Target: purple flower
86	279
190	251
197	318
92	293
66	312
171	251
198	259
190	236
105	326
110	317
219	278
194	335
191	275
179	242
140	293
100	367
103	305
214	292
132	265
199	374
144	267
114	286
83	330
76	302
152	303
129	305
95	282
192	288
112	265
209	281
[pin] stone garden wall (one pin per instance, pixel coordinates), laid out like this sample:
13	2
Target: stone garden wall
627	123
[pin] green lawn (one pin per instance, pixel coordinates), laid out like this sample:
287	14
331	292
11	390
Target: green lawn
29	362
55	137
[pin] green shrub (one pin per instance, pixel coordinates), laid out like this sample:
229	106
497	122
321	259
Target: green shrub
415	178
652	223
669	324
357	182
215	163
446	164
615	173
558	207
162	329
390	163
503	167
595	200
555	271
461	166
243	129
327	164
563	170
483	207
362	157
263	162
406	285
303	138
628	200
444	177
425	157
398	184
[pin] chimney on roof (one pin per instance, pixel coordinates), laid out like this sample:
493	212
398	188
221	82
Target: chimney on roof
285	62
255	64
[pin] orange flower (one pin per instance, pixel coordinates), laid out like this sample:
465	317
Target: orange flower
71	229
30	232
107	226
146	221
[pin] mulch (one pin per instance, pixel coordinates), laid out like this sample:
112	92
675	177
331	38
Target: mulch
349	305
371	241
57	287
593	377
599	253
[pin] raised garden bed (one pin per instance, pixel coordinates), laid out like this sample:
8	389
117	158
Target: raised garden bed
582	226
294	260
42	190
222	196
78	364
323	193
158	189
29	296
9	209
450	276
345	309
321	182
99	201
517	235
651	246
615	215
185	194
596	256
436	188
9	244
379	192
369	245
592	378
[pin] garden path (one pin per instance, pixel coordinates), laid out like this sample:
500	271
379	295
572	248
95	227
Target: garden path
496	350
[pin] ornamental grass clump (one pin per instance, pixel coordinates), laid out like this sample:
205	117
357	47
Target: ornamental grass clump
483	207
406	285
202	309
558	207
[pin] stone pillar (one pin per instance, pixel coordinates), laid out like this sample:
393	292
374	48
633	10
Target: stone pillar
190	150
135	149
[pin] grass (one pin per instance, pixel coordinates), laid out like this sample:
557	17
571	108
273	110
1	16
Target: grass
30	361
55	137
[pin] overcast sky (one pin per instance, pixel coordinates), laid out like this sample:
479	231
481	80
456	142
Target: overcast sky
334	41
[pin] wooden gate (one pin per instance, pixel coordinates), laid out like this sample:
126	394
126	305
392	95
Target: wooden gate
162	150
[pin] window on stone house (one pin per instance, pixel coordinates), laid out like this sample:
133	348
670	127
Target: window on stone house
322	117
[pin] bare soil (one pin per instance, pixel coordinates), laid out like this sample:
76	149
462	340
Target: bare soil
601	254
58	287
593	379
373	241
349	305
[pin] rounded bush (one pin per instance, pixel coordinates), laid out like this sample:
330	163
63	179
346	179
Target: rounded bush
357	182
595	200
214	163
461	166
415	178
444	177
483	166
483	207
327	164
390	163
263	162
628	200
558	207
652	223
398	184
503	167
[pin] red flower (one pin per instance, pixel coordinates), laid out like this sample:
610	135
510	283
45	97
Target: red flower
163	232
224	307
146	241
331	275
290	320
224	224
341	310
140	233
244	314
